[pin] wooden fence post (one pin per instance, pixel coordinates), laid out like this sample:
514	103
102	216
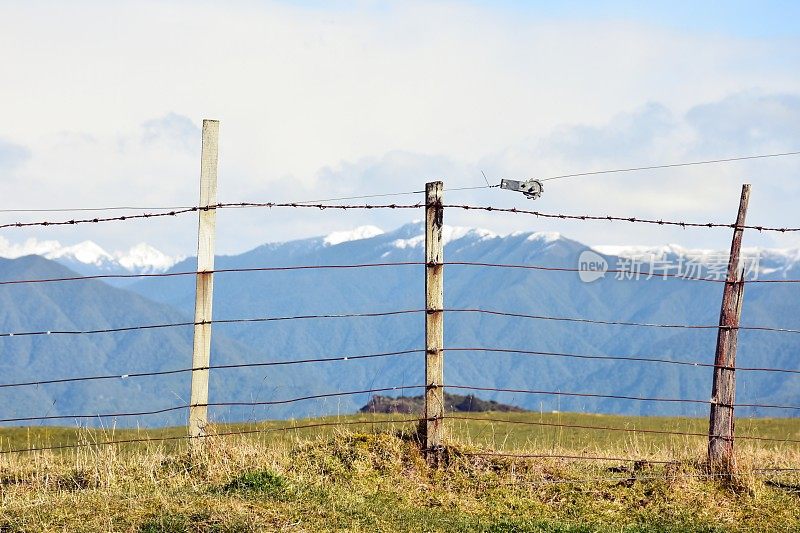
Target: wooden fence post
434	320
201	354
723	393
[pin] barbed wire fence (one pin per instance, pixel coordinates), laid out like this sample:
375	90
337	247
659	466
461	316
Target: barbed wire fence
434	419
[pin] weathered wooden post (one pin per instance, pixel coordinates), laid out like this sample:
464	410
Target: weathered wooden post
201	354
434	320
723	393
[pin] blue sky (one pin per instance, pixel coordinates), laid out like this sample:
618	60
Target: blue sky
102	104
731	17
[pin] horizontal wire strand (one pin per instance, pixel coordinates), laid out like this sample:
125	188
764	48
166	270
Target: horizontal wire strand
209	404
610	428
671	165
208	436
556	456
210	367
615	322
385	354
213	271
622	358
606	458
215	321
641	275
618	397
632	476
649	275
391	313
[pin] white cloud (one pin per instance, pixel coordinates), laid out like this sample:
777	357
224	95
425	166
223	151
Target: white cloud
12	155
318	103
172	130
747	119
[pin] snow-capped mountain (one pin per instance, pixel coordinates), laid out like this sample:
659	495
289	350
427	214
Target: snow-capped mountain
449	234
144	258
357	234
88	257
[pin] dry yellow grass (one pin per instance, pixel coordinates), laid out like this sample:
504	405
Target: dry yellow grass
378	480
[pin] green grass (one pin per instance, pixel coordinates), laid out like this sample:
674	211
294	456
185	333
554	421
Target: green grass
524	430
515	436
375	478
263	483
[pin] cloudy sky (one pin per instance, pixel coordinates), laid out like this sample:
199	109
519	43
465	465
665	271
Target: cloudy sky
102	104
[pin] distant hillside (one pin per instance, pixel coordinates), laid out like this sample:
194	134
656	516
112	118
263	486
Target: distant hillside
93	304
559	294
453	403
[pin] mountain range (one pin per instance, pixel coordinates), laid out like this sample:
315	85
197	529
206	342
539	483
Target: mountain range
89	258
94	304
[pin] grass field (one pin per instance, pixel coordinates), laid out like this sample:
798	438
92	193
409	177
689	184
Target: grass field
374	477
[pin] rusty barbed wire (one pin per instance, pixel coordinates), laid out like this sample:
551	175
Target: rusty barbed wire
241	205
609	218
